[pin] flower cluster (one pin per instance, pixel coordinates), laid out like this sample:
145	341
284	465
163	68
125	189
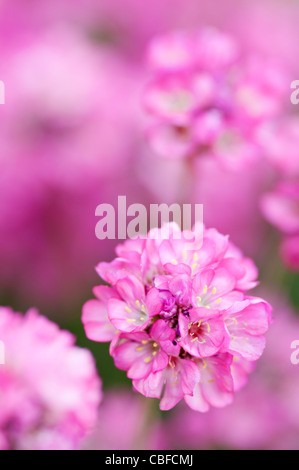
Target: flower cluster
178	316
49	388
206	100
281	208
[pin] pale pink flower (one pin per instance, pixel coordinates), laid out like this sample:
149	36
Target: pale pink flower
177	315
50	389
205	99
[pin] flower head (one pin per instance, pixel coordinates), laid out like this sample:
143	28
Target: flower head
205	99
50	390
178	317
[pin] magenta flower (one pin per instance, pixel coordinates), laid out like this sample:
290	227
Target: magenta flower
50	390
205	99
178	317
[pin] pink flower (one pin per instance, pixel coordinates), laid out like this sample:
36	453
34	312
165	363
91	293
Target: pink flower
202	334
50	388
134	311
175	309
216	387
205	99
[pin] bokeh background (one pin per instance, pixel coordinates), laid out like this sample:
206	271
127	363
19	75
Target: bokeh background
72	136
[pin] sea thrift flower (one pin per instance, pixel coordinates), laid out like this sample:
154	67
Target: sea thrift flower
205	100
50	391
179	318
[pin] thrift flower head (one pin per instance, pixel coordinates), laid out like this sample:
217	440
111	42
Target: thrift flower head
49	388
205	99
179	320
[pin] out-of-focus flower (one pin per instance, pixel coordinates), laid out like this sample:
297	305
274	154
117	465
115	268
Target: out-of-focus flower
50	390
178	316
136	428
281	208
205	100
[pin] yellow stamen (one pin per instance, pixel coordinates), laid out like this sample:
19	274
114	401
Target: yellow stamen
148	359
214	290
205	289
